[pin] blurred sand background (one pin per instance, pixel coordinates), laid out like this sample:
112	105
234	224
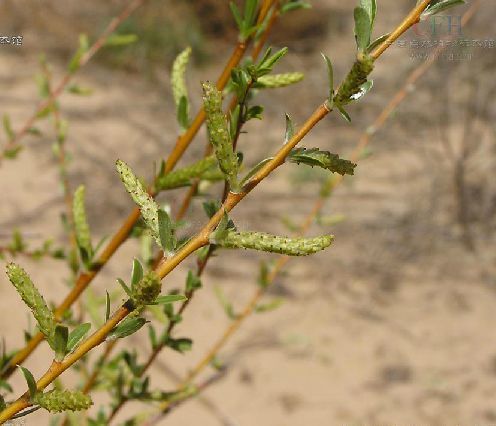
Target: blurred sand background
393	325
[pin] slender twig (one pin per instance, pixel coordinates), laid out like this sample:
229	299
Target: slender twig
85	278
200	240
59	89
332	183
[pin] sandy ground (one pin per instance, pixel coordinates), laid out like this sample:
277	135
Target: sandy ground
391	326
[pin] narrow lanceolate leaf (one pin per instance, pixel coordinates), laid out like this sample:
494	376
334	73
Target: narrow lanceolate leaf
324	159
330	75
185	176
170	298
126	328
166	233
218	133
136	273
440	5
147	205
81	226
274	81
32	298
82	49
76	335
60	339
115	40
57	401
290	130
29	380
363	28
370	7
7	127
275	244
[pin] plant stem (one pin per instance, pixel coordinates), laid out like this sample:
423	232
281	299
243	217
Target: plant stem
200	240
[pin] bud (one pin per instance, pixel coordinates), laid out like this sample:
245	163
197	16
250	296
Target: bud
147	290
279	80
274	244
218	133
32	297
355	78
58	401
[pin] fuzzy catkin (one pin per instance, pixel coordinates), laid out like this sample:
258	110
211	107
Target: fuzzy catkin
182	177
218	133
58	401
147	205
82	229
32	297
275	81
147	290
275	244
355	78
177	75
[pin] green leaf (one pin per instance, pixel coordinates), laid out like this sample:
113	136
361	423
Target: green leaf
267	307
76	335
124	286
330	74
237	15
7	126
193	282
343	113
254	170
166	232
290	130
370	7
3	405
170	298
364	89
263	278
440	5
377	42
137	273
182	113
268	61
211	207
254	112
226	305
115	40
362	28
74	63
59	341
107	306
324	159
30	381
294	5
126	328
76	89
181	344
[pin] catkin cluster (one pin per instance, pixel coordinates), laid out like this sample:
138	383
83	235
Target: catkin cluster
218	133
58	401
275	244
147	290
80	222
355	78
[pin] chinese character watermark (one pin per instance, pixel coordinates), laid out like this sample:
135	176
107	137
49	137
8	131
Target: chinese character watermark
12	40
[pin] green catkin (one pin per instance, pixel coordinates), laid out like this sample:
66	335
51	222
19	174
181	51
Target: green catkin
147	205
218	133
81	227
58	401
275	81
182	177
275	244
177	76
355	78
32	297
147	290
